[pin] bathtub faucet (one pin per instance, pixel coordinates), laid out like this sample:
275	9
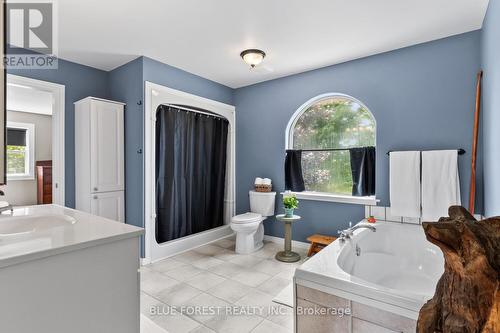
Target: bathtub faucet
347	233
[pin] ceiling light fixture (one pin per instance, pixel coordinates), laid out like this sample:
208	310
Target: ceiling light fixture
253	57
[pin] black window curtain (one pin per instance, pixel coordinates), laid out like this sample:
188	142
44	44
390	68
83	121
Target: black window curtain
294	180
363	171
191	151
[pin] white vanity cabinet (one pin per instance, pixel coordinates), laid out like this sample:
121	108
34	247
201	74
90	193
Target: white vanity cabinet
65	271
99	157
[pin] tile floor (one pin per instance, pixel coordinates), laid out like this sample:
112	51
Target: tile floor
201	290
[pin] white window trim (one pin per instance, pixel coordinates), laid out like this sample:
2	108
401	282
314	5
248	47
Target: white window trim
30	148
339	198
322	196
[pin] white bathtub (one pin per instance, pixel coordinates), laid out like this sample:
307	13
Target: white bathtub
397	269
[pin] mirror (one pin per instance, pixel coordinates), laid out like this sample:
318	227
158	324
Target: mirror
29	142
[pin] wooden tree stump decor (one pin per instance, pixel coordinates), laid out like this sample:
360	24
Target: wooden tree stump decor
467	298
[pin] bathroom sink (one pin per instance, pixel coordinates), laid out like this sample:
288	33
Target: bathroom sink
19	225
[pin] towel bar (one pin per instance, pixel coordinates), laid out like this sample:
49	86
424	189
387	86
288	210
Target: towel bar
461	151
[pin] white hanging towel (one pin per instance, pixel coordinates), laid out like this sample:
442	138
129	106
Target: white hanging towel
440	183
405	183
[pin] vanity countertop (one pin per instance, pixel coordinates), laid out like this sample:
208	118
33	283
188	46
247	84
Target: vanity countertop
35	232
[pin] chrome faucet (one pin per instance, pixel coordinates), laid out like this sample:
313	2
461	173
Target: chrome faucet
347	233
5	208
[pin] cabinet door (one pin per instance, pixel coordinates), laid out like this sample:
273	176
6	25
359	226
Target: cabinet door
106	147
109	205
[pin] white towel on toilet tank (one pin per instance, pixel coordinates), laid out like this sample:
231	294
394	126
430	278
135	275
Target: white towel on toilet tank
440	183
405	183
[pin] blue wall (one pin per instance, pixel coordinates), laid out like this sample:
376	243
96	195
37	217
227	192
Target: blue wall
126	86
422	98
490	49
80	81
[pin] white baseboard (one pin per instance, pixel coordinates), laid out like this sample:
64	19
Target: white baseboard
279	240
184	245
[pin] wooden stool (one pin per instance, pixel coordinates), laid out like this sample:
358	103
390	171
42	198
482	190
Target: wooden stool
318	242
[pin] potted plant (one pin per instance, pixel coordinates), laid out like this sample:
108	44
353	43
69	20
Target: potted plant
290	203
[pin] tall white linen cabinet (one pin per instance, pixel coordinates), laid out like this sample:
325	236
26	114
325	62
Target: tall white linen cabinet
99	158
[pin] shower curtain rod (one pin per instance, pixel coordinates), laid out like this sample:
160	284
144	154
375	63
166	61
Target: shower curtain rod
194	110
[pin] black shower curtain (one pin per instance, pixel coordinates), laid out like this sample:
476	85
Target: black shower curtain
191	151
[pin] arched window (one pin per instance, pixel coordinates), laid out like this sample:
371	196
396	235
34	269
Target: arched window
325	129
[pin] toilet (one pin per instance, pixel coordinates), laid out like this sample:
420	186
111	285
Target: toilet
248	226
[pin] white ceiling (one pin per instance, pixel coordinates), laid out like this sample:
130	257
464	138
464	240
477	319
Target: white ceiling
26	99
205	37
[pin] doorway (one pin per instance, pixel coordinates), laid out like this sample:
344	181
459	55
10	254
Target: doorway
35	142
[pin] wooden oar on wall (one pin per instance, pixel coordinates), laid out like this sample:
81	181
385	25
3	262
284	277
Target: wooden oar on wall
472	192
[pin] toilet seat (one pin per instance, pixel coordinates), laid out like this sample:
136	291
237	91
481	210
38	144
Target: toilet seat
247	218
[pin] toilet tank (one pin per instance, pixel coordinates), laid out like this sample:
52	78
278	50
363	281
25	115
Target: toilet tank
262	203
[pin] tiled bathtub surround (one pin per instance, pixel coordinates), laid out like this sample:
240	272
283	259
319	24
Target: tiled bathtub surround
384	214
361	318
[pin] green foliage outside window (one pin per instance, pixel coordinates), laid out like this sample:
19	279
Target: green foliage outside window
16	160
336	122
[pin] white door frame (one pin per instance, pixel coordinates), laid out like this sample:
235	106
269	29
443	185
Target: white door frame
58	109
154	95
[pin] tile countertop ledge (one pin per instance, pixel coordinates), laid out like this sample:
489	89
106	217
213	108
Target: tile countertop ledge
36	232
